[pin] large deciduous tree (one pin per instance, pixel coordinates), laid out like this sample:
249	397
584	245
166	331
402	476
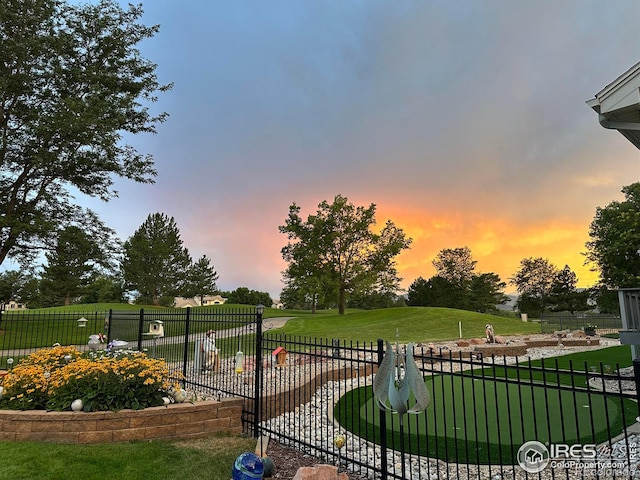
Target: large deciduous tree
245	296
435	292
533	281
455	265
337	247
156	264
72	85
614	247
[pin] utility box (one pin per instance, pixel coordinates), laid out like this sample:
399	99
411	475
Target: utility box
629	299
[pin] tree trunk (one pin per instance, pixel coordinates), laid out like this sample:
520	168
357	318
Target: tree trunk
342	300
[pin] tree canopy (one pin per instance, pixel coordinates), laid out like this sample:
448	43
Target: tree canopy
456	285
336	249
156	264
614	247
72	266
201	279
72	85
533	281
565	296
455	265
245	296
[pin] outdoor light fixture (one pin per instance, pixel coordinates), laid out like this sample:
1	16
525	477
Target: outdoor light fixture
260	309
82	322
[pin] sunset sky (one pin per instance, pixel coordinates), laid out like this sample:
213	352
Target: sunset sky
465	123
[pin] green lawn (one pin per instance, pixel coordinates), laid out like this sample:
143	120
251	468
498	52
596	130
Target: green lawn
209	459
416	324
593	361
42	327
30	328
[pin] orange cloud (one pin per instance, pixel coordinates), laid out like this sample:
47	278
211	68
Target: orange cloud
497	245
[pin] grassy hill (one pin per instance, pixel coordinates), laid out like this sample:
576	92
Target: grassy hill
418	324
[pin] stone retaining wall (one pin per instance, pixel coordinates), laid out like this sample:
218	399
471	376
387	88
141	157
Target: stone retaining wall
175	421
290	398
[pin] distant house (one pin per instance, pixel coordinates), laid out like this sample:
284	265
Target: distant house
213	300
13	305
207	300
277	304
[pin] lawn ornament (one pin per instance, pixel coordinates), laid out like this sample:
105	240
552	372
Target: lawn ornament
211	357
398	377
247	467
488	330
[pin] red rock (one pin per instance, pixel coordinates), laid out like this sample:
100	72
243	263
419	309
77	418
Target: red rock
476	341
462	343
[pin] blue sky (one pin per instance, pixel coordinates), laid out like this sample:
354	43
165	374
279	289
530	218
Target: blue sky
464	122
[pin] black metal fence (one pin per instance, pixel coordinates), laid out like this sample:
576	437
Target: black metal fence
596	322
482	411
487	418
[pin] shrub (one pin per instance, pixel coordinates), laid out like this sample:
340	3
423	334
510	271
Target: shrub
53	378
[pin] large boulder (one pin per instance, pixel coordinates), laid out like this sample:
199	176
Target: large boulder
320	472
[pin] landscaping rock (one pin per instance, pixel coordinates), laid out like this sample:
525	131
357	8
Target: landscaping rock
320	472
462	343
476	341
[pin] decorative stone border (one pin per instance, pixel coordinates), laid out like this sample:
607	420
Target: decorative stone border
175	421
301	393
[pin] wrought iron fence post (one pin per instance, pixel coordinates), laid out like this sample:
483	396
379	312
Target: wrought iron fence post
109	322
140	325
383	423
257	394
185	356
636	374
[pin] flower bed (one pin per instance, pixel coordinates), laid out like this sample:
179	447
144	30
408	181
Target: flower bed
62	378
115	396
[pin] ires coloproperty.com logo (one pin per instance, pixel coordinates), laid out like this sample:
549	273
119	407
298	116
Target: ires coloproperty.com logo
534	457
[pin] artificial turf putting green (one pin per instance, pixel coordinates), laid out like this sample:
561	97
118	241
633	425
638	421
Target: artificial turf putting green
476	420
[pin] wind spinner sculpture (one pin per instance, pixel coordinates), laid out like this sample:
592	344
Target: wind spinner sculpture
398	377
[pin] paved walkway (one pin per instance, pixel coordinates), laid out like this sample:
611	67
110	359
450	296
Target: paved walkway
267	324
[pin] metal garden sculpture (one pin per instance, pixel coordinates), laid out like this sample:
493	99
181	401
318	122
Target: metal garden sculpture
397	379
